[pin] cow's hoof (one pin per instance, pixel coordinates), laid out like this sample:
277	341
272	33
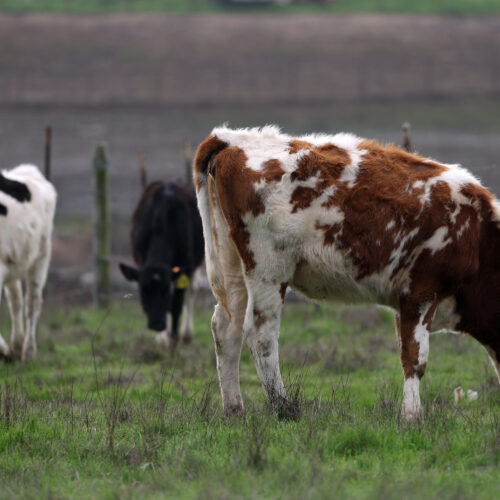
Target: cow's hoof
16	352
6	358
162	340
29	354
187	339
411	416
172	346
29	350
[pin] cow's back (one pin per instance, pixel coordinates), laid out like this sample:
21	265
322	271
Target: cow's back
27	226
168	212
355	220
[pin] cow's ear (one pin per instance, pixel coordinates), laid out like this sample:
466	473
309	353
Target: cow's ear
130	273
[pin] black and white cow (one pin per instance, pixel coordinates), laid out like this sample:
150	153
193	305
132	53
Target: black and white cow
167	246
27	206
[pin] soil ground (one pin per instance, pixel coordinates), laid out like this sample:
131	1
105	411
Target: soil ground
193	60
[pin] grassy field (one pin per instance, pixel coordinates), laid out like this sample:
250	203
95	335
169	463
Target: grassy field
102	414
193	6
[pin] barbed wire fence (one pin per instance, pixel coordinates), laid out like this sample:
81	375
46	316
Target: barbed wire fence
88	272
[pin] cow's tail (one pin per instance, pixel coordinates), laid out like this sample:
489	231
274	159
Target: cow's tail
203	175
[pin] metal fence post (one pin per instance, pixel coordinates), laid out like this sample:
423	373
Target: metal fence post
102	242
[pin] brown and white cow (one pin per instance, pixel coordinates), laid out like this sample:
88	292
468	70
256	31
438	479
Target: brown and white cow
342	218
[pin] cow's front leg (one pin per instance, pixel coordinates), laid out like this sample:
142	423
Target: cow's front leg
34	287
262	324
187	315
413	333
172	335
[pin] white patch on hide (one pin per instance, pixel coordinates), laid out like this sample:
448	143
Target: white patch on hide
437	241
421	335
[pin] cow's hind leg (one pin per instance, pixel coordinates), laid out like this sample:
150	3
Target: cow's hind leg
262	324
35	281
413	333
14	294
4	348
227	331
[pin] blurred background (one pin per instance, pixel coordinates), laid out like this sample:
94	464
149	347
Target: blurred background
151	78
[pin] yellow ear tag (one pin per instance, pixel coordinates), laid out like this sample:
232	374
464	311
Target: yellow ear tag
182	282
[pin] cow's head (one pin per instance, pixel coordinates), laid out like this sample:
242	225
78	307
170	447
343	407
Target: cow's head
155	284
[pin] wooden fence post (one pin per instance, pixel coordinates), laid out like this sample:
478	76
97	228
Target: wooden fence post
102	242
48	150
188	162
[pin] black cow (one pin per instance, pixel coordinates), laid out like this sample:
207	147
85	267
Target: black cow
167	246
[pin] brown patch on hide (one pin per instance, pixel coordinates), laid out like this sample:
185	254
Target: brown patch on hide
384	192
297	145
410	307
259	319
409	348
212	202
325	162
206	151
302	197
283	291
237	196
272	171
335	154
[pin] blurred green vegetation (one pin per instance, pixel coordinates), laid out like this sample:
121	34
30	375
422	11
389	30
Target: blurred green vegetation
195	6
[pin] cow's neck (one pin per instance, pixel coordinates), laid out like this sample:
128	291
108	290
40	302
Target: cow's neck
159	252
478	301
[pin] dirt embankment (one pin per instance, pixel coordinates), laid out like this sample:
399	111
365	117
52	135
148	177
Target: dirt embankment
140	59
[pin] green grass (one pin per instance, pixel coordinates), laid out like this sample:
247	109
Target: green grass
193	6
103	414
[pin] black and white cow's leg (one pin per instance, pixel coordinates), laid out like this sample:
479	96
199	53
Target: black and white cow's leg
14	294
227	331
414	324
262	325
175	311
4	347
187	315
35	281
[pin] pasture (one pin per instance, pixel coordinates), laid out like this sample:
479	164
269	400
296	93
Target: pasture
102	414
